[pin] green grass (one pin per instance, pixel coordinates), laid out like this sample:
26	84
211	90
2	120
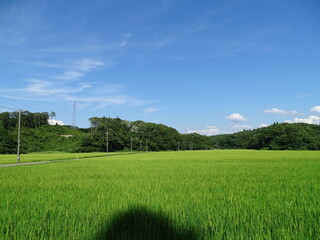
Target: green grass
48	156
237	194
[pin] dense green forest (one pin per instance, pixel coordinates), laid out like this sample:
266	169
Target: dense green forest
278	136
38	136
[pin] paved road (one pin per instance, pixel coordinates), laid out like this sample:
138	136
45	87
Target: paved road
22	164
34	163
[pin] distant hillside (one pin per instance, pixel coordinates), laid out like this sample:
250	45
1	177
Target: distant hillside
283	136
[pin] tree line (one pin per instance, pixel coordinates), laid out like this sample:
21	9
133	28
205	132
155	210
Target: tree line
8	127
140	136
278	136
38	136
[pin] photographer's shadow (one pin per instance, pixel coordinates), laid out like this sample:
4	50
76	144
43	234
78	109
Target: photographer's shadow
141	224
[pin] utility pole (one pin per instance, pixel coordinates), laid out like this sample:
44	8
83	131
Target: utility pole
191	146
74	115
107	142
131	144
19	134
146	145
178	146
140	145
19	126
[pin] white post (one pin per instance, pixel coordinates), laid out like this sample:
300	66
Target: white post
19	133
107	143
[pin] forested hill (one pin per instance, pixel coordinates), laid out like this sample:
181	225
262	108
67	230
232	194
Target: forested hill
140	135
38	136
283	136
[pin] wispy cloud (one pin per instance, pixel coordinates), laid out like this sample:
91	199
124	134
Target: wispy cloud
37	87
305	95
68	87
108	88
233	47
70	75
281	112
92	47
197	29
151	110
43	88
84	94
125	40
79	69
161	44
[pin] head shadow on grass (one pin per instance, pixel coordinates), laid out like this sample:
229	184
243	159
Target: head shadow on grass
139	223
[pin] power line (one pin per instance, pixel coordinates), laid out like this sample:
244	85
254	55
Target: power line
6	107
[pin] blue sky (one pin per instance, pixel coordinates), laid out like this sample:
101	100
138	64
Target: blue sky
212	66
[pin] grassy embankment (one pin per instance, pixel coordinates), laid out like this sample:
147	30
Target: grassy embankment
179	195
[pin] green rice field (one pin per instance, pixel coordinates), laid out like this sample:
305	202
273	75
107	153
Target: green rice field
219	194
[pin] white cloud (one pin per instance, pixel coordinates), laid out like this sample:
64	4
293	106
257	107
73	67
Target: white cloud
55	122
241	127
263	125
236	117
315	109
311	120
208	131
280	111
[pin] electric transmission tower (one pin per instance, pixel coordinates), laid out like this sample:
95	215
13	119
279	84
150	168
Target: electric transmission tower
74	115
